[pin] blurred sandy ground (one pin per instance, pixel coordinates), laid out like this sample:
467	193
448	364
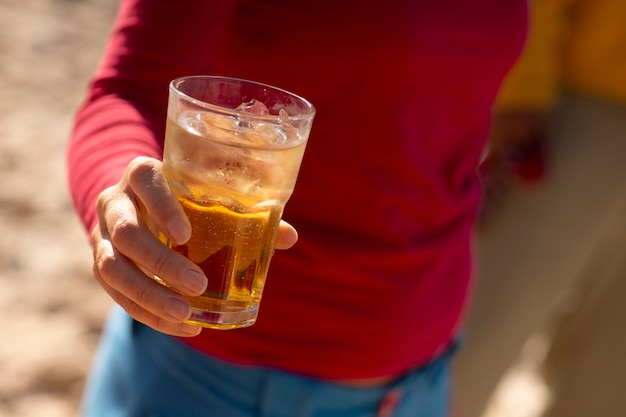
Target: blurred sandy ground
50	310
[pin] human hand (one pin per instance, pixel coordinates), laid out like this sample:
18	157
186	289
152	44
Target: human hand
126	253
516	144
516	153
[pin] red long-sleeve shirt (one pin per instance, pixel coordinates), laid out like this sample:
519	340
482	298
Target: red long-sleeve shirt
387	193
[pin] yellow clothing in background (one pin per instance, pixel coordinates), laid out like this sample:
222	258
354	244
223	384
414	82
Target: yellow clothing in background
577	45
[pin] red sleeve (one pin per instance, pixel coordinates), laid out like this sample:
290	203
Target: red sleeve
123	115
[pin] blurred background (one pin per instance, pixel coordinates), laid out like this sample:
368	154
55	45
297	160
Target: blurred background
543	335
50	309
549	302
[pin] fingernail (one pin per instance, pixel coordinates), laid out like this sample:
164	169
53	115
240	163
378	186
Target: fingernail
194	282
178	309
178	230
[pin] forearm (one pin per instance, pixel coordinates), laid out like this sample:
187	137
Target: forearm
108	134
123	116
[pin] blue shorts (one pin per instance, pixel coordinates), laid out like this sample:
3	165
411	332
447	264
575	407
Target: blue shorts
139	372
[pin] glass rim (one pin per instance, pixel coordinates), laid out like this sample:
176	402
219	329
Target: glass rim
173	87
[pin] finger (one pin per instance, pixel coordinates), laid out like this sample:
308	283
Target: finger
133	240
141	297
157	323
287	236
147	181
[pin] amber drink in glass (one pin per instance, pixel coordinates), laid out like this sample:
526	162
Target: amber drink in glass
232	153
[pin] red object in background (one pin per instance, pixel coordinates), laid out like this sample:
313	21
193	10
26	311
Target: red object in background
529	162
524	163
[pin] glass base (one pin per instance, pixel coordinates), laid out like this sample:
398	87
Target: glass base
223	320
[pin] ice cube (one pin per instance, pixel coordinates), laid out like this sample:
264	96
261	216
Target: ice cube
286	131
206	124
253	106
194	122
261	132
234	130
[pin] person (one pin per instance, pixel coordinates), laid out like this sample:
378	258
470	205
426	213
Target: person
361	317
551	247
